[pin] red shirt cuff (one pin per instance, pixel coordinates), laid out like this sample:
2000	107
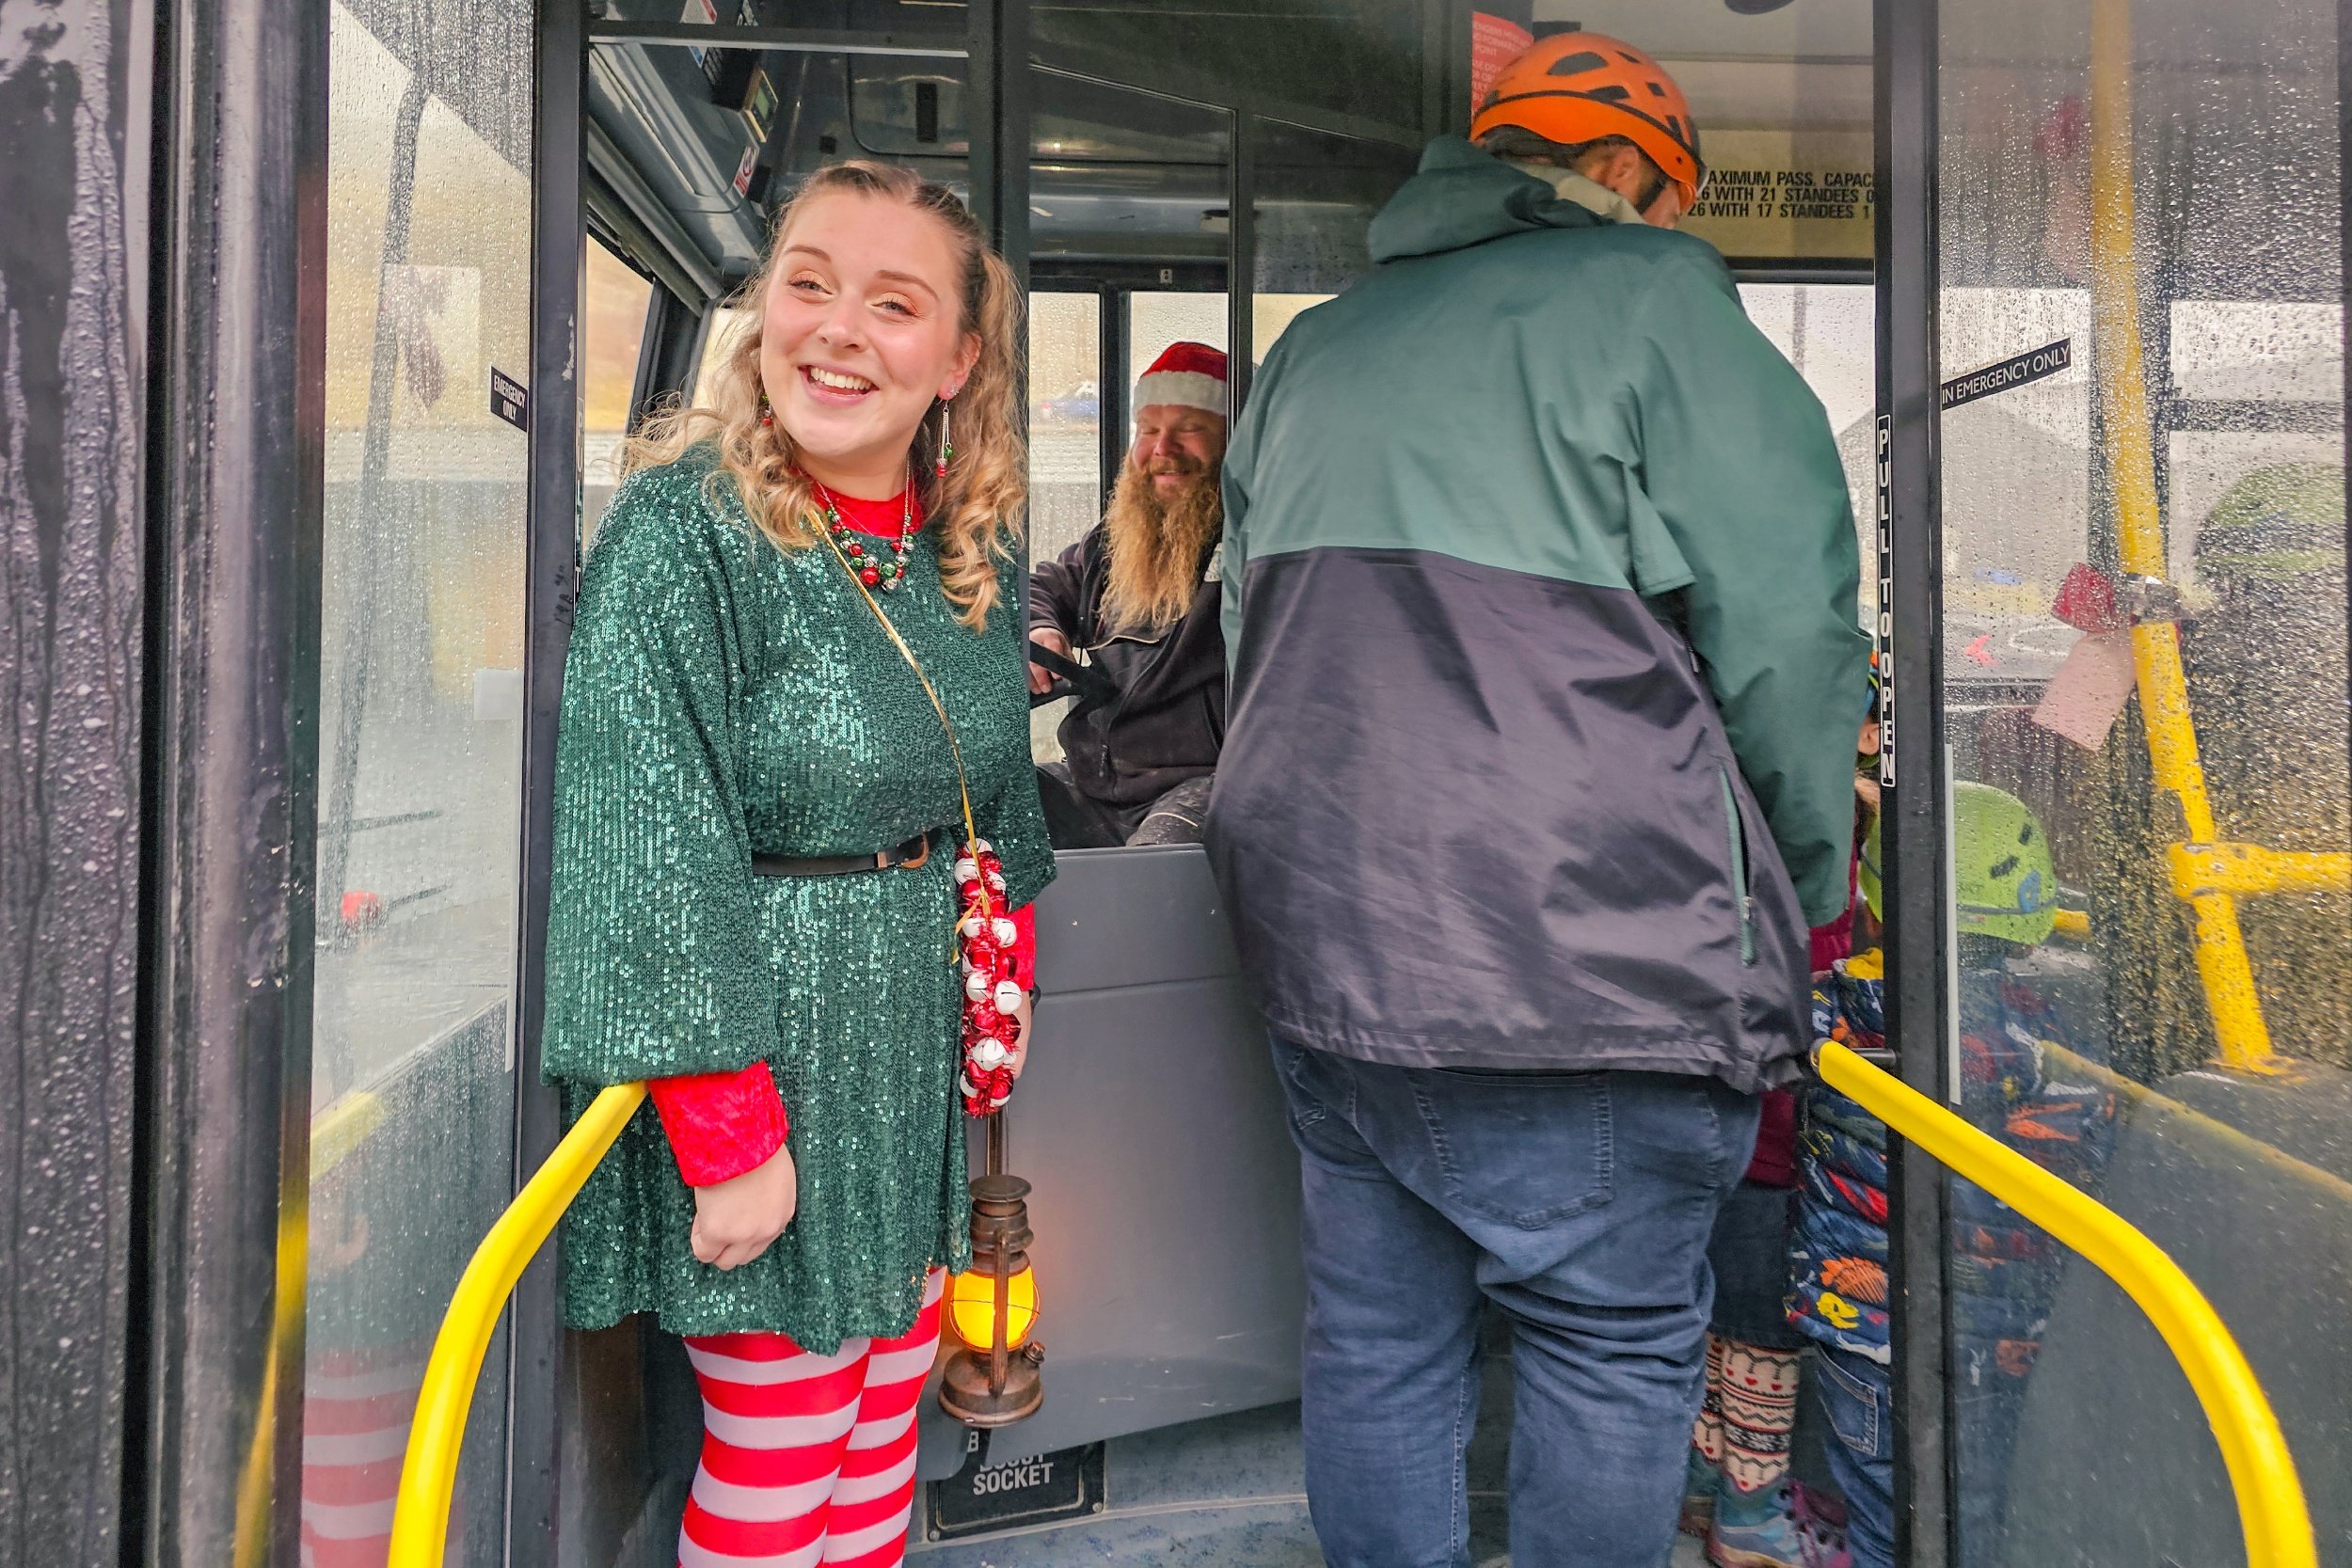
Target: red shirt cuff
1024	948
721	1124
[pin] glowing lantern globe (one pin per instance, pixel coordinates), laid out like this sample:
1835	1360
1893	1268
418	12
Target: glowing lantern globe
972	1307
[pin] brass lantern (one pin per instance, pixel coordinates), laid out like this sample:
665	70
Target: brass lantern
991	1378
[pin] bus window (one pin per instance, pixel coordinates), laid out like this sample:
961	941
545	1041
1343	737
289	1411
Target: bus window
1270	316
421	601
1829	333
613	298
1157	320
1065	450
1065	419
1317	194
2141	453
718	338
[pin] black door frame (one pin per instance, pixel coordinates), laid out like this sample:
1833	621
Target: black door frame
1910	642
234	479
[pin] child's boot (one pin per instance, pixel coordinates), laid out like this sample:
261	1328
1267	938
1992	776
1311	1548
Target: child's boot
1753	1530
1699	1489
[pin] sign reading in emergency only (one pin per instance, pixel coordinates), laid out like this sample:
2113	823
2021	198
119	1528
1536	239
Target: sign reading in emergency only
2016	370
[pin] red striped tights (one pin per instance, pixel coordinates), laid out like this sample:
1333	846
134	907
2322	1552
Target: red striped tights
807	1460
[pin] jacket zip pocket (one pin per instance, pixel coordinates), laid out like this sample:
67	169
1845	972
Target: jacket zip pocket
1738	866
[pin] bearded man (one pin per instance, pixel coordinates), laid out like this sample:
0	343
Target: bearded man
1138	598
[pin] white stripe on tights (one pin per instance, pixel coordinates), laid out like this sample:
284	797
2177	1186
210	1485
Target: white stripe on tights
780	1432
881	1434
911	1364
860	1488
858	1542
792	1369
759	1505
693	1553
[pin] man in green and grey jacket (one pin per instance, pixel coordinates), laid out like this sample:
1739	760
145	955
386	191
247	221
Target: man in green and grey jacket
1540	587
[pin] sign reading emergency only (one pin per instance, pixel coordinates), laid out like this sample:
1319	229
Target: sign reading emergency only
2016	370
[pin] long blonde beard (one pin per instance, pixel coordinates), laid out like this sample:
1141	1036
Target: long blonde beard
1155	549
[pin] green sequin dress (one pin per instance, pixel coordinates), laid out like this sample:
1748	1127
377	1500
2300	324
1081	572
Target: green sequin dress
723	698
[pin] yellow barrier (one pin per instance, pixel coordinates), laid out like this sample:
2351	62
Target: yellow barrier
335	1133
2202	869
429	1473
2271	1509
2221	961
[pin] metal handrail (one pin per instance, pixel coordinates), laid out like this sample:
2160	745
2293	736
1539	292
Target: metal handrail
2271	1511
428	1474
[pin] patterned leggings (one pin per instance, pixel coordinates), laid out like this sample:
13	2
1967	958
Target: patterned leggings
807	1458
1751	1412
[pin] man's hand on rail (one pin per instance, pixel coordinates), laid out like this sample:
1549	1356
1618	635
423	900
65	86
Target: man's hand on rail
738	1219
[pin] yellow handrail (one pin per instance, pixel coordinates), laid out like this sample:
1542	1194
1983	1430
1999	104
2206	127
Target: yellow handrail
2271	1511
2221	961
2199	869
429	1473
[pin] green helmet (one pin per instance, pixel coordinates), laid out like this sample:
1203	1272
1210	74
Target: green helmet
2007	886
2279	522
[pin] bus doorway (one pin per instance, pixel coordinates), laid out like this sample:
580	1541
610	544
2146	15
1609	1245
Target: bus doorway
1207	172
1212	197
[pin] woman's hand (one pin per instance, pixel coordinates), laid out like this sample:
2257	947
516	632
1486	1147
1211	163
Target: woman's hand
738	1219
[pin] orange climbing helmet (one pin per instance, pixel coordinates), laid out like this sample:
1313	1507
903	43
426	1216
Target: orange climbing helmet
1576	88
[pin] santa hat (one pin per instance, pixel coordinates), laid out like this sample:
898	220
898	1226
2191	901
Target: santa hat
1188	376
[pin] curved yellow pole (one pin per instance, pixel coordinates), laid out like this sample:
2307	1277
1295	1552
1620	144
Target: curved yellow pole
2221	961
2271	1509
429	1473
335	1133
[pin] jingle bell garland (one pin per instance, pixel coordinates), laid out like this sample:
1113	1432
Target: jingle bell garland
992	995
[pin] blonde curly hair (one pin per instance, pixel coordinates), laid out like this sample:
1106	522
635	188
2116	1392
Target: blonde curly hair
976	512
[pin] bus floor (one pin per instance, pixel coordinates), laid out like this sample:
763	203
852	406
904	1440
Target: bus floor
1230	1492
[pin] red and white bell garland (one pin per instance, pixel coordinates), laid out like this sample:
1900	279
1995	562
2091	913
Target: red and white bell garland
991	996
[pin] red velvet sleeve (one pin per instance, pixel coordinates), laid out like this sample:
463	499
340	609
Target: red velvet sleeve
721	1124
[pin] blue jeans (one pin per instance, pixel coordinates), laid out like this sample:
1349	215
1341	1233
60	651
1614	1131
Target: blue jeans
1749	1256
1581	1205
1857	1397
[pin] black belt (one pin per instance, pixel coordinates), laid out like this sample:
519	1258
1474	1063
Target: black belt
907	856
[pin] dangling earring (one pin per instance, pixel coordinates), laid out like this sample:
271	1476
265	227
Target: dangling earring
767	414
947	445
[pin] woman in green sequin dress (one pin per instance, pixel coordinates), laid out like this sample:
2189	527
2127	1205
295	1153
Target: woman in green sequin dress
731	706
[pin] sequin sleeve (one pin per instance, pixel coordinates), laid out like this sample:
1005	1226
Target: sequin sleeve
1011	817
1014	822
653	963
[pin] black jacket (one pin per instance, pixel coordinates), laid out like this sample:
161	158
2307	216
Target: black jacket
1167	719
1542	589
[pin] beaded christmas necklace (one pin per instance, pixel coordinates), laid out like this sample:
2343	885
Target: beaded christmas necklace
884	574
